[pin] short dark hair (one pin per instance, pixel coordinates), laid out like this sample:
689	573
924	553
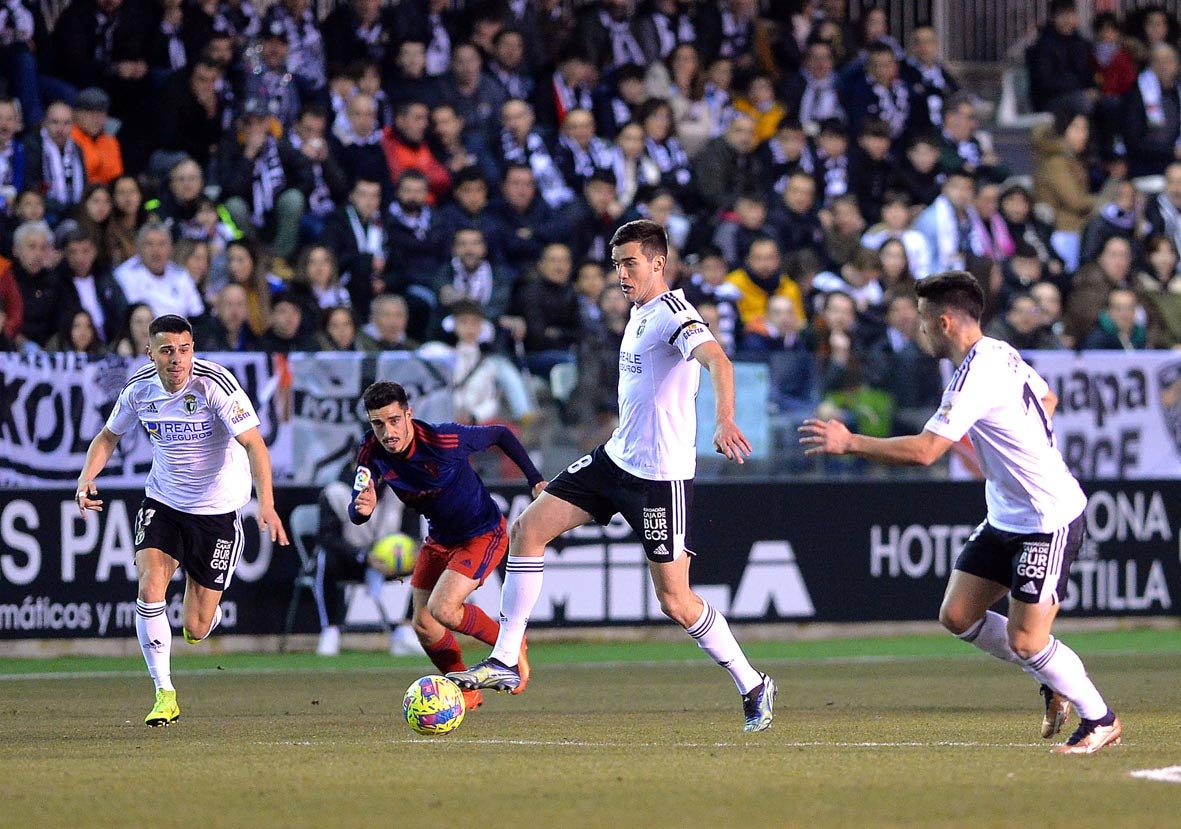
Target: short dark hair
874	128
953	290
169	324
651	236
466	176
382	394
467	307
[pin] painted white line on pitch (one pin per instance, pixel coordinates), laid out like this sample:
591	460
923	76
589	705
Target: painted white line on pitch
1169	774
798	744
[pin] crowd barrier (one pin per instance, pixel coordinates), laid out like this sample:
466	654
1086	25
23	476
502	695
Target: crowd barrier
767	552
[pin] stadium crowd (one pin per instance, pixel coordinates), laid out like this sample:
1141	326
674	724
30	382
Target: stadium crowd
449	173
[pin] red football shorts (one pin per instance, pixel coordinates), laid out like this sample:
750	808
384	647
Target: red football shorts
474	558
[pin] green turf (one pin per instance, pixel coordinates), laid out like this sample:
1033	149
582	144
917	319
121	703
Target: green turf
942	737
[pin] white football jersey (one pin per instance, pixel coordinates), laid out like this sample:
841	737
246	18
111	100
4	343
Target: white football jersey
996	398
197	465
658	378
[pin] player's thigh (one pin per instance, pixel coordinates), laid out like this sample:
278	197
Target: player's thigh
447	599
543	521
966	599
200	604
155	569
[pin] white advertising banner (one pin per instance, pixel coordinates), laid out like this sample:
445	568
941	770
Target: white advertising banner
1119	413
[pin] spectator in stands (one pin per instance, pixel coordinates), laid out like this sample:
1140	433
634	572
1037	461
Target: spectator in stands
364	28
726	30
923	70
191	113
727	166
1160	265
662	26
476	97
594	216
507	64
707	283
337	330
796	220
405	146
315	285
1091	285
951	225
264	181
286	332
1024	226
127	217
133	334
386	330
880	92
896	275
1115	73
1059	63
1163	212
357	145
759	102
813	93
786	153
1049	302
1019	273
635	173
965	147
102	156
681	81
470	276
860	279
329	184
12	156
919	172
1159	287
268	82
895	225
740	227
663	147
595	402
88	285
549	305
77	334
20	26
609	33
246	264
1117	328
530	224
1022	325
568	88
42	294
1152	114
415	246
994	232
94	216
518	142
193	255
54	163
779	329
896	364
580	153
152	277
871	168
834	341
177	206
832	161
843	227
454	151
369	83
1060	180
228	327
469	208
305	45
760	279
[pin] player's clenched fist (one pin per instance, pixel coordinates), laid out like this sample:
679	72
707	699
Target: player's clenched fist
366	499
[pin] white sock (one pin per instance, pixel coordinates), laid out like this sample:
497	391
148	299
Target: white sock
155	640
1060	668
713	636
990	634
522	586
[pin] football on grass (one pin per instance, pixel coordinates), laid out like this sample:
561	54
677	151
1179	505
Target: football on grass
397	552
433	705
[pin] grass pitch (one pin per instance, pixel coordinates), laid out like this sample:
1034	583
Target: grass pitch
906	732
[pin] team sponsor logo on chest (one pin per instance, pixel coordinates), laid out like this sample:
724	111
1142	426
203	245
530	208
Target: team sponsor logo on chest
630	363
174	431
190	401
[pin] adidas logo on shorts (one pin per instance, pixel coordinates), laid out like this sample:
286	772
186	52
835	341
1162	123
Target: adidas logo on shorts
220	578
1029	587
660	551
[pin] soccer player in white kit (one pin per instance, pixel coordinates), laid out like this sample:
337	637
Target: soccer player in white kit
1035	523
206	447
644	472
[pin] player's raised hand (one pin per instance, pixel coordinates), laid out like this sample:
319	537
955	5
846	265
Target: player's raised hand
87	497
729	441
824	437
366	499
268	520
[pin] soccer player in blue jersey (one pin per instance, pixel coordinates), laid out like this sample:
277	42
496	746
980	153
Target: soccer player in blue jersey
427	467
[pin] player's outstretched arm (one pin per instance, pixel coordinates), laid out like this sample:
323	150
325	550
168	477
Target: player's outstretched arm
100	451
831	437
260	470
728	438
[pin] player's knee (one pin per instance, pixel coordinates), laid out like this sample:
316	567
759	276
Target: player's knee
445	614
522	536
955	617
1026	643
679	609
196	630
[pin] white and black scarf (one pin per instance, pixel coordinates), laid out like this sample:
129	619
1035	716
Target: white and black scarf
269	181
516	84
597	156
1150	94
62	170
672	31
1169	215
16	23
104	29
836	177
935	81
624	46
819	100
670	158
893	105
306	55
177	55
735	35
476	285
549	179
570	97
438	48
418	225
369	239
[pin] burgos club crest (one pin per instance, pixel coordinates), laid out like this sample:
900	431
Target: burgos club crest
190	403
